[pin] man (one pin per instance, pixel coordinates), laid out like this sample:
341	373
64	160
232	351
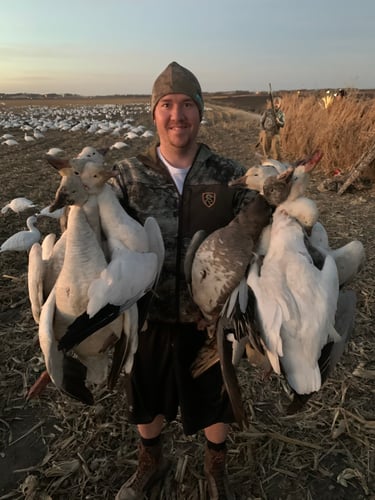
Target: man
271	121
184	185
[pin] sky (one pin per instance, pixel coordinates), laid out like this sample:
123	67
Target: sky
106	47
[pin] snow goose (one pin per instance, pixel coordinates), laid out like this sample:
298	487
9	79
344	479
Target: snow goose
255	177
349	258
71	190
130	273
115	221
296	304
18	205
84	261
216	268
38	289
128	241
23	240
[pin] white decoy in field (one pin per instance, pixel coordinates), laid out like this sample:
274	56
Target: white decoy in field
56	152
10	142
296	304
5	137
92	154
119	145
18	205
38	134
23	240
29	138
55	214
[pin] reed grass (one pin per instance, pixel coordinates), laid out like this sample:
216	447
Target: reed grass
343	131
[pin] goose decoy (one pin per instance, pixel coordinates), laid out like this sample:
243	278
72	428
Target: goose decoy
92	154
10	142
56	152
23	240
18	205
55	214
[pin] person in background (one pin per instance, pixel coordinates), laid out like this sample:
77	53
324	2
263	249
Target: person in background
271	121
184	185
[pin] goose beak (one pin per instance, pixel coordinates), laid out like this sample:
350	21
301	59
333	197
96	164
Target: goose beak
241	181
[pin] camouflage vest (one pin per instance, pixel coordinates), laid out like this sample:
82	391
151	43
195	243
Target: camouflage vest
147	189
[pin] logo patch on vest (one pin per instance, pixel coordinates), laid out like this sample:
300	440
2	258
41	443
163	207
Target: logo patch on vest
209	199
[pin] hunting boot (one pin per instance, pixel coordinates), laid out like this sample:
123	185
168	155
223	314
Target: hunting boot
152	466
216	474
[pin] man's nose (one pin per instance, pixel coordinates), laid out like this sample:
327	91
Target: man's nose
178	112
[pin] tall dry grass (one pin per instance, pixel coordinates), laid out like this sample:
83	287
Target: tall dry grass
343	131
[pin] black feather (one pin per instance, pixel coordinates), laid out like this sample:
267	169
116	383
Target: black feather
83	326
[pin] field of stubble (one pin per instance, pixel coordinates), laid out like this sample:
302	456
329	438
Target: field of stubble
56	448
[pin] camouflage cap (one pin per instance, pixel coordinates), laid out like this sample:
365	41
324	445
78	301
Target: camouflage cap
176	79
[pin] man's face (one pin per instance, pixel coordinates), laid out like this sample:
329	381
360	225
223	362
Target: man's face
177	121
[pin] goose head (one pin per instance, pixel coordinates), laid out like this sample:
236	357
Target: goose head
276	188
93	175
70	192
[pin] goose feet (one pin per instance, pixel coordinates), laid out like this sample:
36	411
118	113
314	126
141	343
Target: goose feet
38	387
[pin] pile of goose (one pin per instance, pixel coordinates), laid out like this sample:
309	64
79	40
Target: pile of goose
271	284
288	309
95	273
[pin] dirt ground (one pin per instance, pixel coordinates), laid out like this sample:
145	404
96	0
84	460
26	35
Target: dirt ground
55	448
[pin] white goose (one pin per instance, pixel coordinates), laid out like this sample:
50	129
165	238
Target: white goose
122	282
129	244
296	304
349	258
84	261
216	268
23	240
39	257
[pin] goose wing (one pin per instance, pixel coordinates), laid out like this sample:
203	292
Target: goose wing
35	277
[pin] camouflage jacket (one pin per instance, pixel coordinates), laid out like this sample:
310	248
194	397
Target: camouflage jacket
146	188
271	121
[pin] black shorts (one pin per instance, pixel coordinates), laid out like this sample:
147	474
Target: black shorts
161	380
